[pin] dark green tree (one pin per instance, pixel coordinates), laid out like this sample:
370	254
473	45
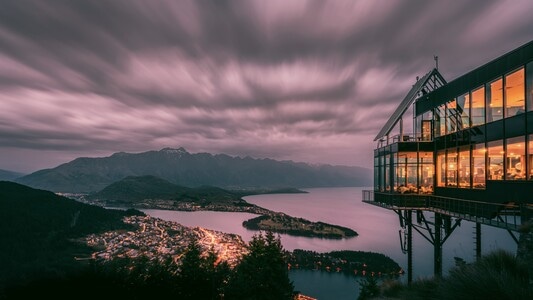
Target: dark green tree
201	277
368	288
262	273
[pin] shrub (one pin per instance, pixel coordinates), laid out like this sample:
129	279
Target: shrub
498	275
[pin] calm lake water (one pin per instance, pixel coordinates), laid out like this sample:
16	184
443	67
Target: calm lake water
377	227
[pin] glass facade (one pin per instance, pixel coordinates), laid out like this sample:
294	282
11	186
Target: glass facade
440	124
471	166
495	160
387	173
441	168
412	172
451	167
406	177
515	158
464	168
494	100
478	151
529	86
427	126
530	160
514	93
451	117
478	166
463	111
426	171
478	106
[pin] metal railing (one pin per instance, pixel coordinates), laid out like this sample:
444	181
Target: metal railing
398	138
506	216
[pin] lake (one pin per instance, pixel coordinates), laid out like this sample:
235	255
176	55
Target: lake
377	227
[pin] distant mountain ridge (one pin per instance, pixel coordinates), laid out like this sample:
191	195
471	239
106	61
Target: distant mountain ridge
9	175
180	167
137	188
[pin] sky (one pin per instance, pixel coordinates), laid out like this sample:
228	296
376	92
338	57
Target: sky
310	81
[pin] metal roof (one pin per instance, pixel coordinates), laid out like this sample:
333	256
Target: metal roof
429	82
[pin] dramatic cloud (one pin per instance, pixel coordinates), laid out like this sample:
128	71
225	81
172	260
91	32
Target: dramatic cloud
303	80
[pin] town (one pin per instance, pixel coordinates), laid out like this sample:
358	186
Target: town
158	239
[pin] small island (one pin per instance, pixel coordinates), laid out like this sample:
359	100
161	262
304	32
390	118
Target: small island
356	263
282	223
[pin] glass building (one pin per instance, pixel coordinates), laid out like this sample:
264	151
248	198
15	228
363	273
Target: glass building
472	137
468	150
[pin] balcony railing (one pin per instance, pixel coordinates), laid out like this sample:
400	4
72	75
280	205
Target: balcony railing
506	216
406	137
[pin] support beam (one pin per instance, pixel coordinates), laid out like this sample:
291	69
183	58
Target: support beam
478	241
510	232
437	246
409	246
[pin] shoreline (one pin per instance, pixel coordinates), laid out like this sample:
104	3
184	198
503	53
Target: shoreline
267	220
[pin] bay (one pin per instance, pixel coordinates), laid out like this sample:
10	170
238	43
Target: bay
378	230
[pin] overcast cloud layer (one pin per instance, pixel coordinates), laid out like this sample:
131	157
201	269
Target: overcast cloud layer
310	81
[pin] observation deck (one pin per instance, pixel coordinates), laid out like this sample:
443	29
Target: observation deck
506	216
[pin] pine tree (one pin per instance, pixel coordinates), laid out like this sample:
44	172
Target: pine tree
262	273
199	276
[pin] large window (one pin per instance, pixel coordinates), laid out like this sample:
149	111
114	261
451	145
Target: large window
426	170
463	111
451	167
516	159
464	168
413	172
451	116
376	174
441	168
529	85
406	178
440	124
427	124
514	93
495	160
494	101
478	106
387	173
478	164
530	153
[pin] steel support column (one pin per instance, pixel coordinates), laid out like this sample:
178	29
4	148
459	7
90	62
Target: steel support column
409	223
437	245
478	241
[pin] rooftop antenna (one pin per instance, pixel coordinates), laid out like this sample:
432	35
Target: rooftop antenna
436	58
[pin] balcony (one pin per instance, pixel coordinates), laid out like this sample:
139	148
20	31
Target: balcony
506	216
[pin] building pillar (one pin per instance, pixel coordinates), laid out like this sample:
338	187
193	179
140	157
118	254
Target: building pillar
409	222
478	241
437	245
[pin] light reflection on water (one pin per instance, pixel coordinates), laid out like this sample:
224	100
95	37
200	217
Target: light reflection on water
377	227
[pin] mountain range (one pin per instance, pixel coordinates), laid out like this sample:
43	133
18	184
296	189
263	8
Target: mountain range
138	188
84	175
9	175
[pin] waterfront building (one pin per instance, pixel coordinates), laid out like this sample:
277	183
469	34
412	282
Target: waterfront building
469	155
